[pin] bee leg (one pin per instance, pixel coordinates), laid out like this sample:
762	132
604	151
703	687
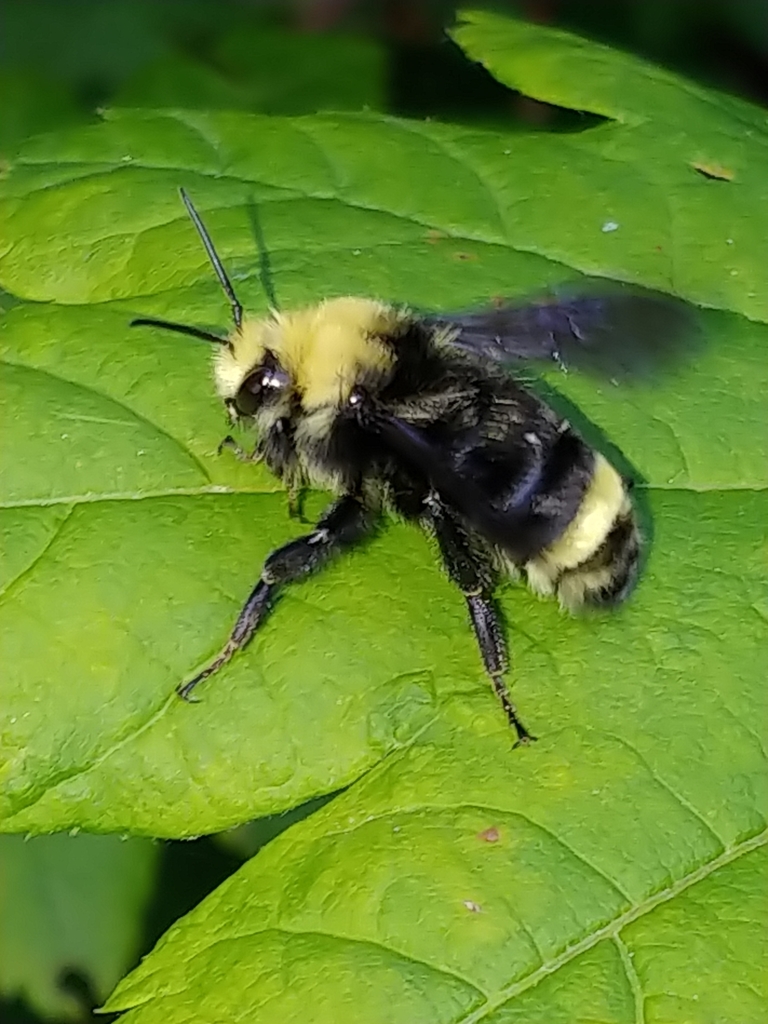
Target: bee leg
296	504
557	359
347	521
493	650
472	574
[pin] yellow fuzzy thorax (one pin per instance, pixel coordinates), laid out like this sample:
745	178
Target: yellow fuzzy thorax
323	348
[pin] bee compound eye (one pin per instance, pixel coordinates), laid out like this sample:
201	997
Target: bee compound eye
273	378
260	386
250	395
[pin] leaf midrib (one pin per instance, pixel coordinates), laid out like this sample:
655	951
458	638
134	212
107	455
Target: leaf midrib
224	489
613	930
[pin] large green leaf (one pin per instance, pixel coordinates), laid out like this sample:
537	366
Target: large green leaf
131	595
70	903
459	879
698	155
458	883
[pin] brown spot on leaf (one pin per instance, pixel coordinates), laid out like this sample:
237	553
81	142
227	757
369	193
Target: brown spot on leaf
489	835
465	256
433	236
712	169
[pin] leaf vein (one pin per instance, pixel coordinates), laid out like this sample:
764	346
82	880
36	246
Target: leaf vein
171	492
12	584
314	934
490	809
334	170
305	193
632	978
450	151
122	405
615	927
668	788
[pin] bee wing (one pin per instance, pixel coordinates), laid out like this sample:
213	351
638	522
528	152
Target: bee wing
618	334
512	527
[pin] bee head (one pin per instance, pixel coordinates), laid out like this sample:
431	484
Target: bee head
310	358
291	364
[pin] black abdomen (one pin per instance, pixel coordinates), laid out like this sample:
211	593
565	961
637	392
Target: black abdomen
520	492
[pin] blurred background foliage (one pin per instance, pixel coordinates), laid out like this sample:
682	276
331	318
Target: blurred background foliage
63	60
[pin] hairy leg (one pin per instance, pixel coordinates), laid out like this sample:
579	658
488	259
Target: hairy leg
471	572
347	521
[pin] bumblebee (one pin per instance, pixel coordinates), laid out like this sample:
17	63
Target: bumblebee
391	410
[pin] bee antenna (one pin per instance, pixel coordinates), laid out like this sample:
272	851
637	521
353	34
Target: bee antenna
213	256
168	325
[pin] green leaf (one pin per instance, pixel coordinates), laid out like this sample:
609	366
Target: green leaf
699	154
459	883
133	595
177	80
289	72
91	47
69	903
458	878
503	201
269	70
31	103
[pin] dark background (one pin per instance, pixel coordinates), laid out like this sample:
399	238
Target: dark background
61	60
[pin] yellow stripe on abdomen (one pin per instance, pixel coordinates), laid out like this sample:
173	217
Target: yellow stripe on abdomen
603	501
